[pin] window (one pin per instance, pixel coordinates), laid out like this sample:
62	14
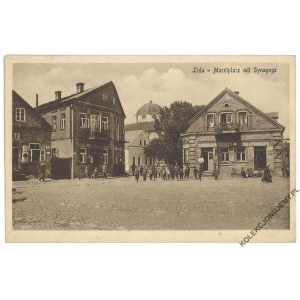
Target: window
35	152
154	117
145	142
20	114
104	124
54	153
84	121
224	154
226	118
146	161
114	100
105	97
140	142
53	122
139	161
95	121
117	129
240	154
210	120
105	156
133	160
143	116
242	118
43	155
63	121
185	155
82	155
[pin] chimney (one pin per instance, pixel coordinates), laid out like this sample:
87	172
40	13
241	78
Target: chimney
36	100
80	87
57	95
237	92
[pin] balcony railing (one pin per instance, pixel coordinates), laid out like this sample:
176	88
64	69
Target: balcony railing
95	133
228	127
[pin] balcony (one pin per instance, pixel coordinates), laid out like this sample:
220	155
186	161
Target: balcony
96	134
227	128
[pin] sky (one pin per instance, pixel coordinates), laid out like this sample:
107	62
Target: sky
163	83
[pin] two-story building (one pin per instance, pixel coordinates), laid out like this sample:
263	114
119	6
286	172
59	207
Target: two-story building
31	139
232	133
88	131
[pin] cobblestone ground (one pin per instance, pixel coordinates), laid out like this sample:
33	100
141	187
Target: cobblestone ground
123	204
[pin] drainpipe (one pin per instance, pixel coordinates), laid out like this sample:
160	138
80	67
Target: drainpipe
72	141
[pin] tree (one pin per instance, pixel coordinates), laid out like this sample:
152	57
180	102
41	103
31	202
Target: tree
169	128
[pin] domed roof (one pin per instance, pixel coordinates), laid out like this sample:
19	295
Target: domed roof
149	108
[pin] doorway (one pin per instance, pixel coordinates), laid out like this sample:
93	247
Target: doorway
260	158
208	156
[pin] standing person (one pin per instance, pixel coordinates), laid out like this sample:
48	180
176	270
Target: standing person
104	171
42	171
180	173
133	169
184	171
201	162
243	172
200	171
195	173
177	172
216	171
155	174
267	177
188	171
141	171
137	174
145	174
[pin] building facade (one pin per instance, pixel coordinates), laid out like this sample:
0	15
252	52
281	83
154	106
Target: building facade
138	135
232	133
88	131
31	140
136	141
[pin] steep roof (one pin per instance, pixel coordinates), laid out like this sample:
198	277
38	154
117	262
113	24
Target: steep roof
74	97
236	96
149	108
46	126
130	136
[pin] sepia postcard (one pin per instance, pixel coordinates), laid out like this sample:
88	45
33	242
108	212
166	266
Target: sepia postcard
150	149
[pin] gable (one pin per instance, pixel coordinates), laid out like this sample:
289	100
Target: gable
105	96
228	101
32	119
134	138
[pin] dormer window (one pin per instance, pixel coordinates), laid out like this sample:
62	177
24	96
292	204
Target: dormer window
243	118
225	118
210	120
226	104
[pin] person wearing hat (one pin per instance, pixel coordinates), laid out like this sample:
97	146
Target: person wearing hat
267	177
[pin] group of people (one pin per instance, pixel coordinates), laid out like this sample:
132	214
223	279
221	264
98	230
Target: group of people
170	172
96	174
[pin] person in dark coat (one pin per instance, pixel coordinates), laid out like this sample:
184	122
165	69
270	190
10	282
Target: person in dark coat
195	173
267	177
145	174
133	169
42	171
137	174
180	173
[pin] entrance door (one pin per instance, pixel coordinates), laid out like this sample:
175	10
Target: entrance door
260	158
95	155
207	154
